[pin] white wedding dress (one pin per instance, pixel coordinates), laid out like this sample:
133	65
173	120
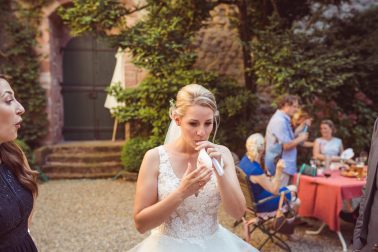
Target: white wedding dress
193	226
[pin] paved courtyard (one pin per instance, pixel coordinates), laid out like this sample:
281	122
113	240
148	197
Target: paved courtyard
96	215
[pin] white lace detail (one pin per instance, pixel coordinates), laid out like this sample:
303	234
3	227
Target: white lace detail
196	217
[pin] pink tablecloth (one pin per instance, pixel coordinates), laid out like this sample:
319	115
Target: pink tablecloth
323	197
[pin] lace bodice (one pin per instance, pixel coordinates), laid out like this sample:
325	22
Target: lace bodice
196	217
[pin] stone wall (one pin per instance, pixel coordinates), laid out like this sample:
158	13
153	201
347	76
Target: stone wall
218	45
52	37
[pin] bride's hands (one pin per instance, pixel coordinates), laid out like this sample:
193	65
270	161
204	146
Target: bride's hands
194	179
211	149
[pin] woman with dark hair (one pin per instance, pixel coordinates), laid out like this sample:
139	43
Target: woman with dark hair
18	186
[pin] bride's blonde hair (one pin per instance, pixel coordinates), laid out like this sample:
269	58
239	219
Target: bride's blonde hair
194	94
255	144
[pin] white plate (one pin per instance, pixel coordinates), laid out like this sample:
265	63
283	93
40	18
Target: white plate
347	154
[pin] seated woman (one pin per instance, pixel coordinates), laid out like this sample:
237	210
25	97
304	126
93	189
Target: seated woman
262	186
327	144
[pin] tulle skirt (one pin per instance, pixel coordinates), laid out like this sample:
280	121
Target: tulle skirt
221	240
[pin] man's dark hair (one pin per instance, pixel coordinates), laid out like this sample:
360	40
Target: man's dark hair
287	99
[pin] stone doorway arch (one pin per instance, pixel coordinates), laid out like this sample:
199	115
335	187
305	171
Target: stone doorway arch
55	36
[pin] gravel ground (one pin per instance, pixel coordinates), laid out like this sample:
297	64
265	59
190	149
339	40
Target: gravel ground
96	215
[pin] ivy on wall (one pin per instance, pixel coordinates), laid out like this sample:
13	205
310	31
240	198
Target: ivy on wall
19	60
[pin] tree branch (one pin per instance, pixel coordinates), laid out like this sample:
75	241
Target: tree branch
137	9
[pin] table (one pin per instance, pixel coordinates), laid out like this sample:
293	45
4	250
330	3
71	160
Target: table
323	197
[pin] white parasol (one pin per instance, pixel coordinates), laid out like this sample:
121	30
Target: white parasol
117	79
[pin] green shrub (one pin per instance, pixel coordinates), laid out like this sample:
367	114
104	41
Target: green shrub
133	152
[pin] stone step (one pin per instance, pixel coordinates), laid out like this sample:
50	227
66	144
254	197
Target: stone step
95	157
83	159
88	146
71	175
81	170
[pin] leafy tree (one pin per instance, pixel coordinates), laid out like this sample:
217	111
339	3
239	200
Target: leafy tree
290	62
256	16
329	70
179	20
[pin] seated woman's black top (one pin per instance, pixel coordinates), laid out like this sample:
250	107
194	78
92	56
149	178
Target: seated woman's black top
16	204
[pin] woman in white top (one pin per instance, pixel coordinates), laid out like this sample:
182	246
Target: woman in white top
332	147
327	144
178	198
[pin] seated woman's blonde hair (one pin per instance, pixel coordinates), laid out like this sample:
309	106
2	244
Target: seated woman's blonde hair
255	145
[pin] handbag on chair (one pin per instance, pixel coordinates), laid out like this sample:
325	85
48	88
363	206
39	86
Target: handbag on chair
284	221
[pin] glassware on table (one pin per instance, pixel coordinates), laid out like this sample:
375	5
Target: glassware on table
327	166
360	164
313	163
319	171
343	165
327	173
360	173
363	156
314	167
327	162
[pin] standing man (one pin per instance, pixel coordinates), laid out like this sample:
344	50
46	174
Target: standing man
365	236
279	130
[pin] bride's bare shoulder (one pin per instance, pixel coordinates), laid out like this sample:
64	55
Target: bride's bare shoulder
151	159
152	155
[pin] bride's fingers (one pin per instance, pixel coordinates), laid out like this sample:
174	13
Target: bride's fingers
207	178
204	144
203	175
213	151
204	181
196	172
196	175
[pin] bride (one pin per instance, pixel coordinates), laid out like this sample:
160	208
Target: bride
178	198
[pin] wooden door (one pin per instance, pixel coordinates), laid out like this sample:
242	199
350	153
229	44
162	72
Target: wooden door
88	66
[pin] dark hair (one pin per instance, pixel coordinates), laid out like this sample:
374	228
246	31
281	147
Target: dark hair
287	99
14	159
330	124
